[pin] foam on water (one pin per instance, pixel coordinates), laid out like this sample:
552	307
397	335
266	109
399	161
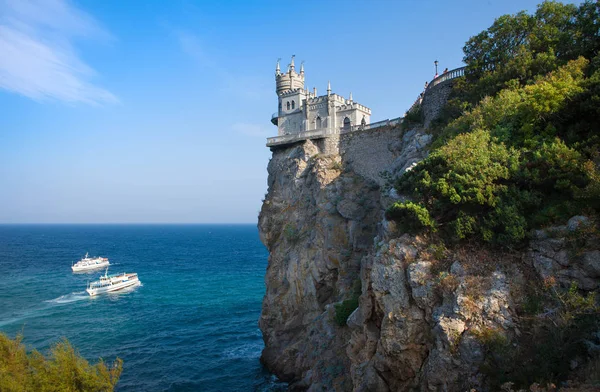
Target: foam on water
246	351
68	298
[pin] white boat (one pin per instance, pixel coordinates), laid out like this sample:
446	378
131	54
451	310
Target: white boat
110	283
90	263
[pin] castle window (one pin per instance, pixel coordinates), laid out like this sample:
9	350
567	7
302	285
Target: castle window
363	122
293	104
279	106
346	124
288	105
319	123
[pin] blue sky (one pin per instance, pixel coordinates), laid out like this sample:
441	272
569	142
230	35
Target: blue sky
157	111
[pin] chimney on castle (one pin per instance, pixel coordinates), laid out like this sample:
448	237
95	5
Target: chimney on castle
350	97
302	68
315	91
328	88
277	69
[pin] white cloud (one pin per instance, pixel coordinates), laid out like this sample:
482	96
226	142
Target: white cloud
253	130
37	58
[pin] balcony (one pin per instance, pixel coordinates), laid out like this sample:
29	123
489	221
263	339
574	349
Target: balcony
288	139
274	118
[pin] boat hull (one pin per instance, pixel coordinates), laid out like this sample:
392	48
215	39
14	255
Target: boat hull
90	267
93	291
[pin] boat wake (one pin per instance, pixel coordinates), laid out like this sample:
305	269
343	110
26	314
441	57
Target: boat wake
68	298
46	308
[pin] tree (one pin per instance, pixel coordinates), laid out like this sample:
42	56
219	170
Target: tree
62	370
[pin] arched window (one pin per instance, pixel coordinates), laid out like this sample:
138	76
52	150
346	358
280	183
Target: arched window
346	124
288	105
363	122
319	123
293	104
280	106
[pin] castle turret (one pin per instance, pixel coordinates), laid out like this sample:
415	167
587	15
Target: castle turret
290	80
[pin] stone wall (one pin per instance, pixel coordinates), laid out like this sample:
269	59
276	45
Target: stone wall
434	100
329	145
370	152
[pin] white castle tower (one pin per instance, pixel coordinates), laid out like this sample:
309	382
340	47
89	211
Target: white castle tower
301	111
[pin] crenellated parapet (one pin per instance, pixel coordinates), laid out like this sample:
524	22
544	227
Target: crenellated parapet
289	80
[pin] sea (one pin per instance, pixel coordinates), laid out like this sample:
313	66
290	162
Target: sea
191	326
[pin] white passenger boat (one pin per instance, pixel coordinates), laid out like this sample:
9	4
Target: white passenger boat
110	283
90	263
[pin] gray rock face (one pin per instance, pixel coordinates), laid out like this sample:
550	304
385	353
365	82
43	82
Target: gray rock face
317	222
553	257
577	222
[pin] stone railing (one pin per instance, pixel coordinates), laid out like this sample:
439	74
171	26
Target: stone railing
453	74
378	124
312	134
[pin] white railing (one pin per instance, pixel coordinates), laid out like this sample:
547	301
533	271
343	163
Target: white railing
453	74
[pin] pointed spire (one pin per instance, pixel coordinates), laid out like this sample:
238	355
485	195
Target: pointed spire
292	66
328	87
277	69
350	97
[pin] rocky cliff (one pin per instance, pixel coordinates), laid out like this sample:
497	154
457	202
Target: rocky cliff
428	318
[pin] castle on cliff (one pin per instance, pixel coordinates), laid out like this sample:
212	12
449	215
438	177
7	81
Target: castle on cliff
301	111
325	119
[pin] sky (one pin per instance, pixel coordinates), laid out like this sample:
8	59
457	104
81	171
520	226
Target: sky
158	111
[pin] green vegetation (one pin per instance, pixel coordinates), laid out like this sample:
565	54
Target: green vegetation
413	117
344	309
518	145
62	370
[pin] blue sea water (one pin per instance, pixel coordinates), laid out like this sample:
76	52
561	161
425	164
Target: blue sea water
191	326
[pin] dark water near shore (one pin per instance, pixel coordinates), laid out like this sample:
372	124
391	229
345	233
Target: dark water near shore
191	326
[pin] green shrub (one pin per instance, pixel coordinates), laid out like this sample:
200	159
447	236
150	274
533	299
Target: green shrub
462	188
413	117
344	309
62	370
411	217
